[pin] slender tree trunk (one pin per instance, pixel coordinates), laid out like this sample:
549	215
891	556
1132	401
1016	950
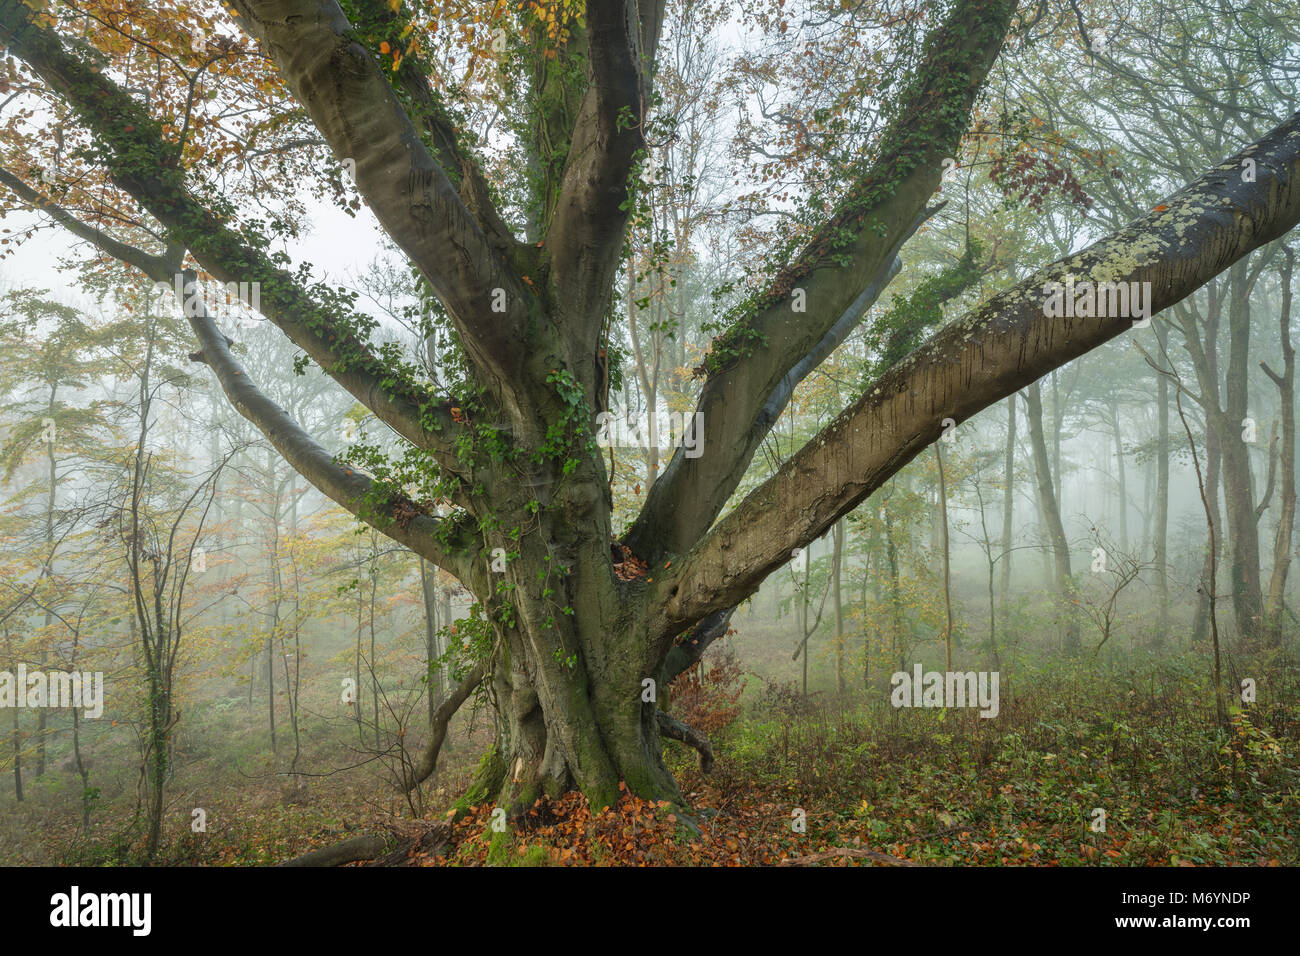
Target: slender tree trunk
270	680
1209	586
374	671
1220	708
81	772
356	663
1238	484
17	731
895	610
866	621
803	614
837	566
1285	382
47	571
1058	420
428	590
1121	479
1161	533
1056	529
1008	511
947	587
444	605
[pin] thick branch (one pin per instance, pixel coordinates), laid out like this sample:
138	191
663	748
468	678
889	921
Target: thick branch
429	112
343	88
585	240
148	167
851	252
438	725
349	851
672	727
441	542
980	359
689	652
444	542
146	262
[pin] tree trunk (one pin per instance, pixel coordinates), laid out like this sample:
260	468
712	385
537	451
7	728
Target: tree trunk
803	614
895	608
1285	382
428	591
1121	480
1052	514
17	731
1208	583
947	586
1238	483
1008	511
47	571
837	567
1161	532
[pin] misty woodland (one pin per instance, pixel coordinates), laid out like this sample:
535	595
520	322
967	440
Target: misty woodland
669	432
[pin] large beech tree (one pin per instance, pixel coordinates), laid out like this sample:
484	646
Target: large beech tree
505	457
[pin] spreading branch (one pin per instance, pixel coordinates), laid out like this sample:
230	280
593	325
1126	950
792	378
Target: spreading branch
342	86
670	726
146	166
1003	345
850	255
438	724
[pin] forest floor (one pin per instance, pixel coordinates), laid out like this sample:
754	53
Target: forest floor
1084	765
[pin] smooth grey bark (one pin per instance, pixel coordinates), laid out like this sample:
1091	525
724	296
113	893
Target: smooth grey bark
16	733
1121	479
1008	511
947	583
1063	576
837	570
1285	382
1160	542
1002	346
571	713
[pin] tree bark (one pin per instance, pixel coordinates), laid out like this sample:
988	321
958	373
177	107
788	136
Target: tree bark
570	635
1008	512
837	568
1065	595
1285	382
947	584
1160	543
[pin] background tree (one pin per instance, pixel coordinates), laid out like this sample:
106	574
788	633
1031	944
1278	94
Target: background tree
499	452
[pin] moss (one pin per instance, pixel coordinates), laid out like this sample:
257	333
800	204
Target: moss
499	850
526	793
487	782
601	796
